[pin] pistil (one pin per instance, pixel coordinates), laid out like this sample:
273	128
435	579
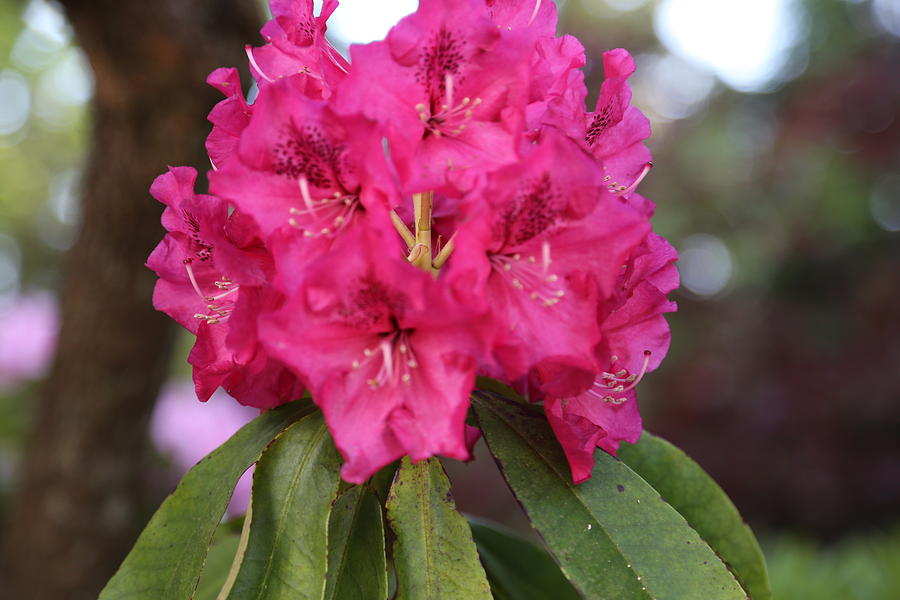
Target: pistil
619	382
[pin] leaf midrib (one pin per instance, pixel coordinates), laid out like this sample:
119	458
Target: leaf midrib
311	447
577	496
356	508
167	590
426	518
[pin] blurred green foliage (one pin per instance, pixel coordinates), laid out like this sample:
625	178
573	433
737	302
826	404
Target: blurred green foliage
857	568
40	161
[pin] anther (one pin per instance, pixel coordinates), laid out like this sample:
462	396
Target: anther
626	189
642	372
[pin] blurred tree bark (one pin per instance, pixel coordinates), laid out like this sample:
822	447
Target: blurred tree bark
81	497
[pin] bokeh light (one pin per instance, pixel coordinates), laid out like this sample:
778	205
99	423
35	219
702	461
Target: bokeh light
15	102
887	15
705	264
671	87
62	89
10	266
46	33
744	42
884	202
364	21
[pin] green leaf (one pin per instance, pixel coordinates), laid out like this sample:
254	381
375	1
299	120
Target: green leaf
294	486
381	481
486	384
614	536
357	566
518	569
215	570
434	554
165	562
238	557
704	505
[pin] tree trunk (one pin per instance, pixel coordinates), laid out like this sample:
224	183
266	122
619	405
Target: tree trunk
82	491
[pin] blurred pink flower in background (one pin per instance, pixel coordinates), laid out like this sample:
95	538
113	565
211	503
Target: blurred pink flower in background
28	329
185	431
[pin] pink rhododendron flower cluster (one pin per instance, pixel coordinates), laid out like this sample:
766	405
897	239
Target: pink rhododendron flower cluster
381	231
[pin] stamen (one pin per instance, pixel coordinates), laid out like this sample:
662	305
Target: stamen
622	190
615	382
221	313
190	272
449	120
316	215
396	361
526	276
331	51
534	13
445	253
640	375
304	193
249	50
448	86
228	293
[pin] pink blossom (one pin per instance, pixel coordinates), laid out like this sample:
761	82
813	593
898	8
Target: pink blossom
536	16
635	338
204	281
557	95
229	117
388	356
615	130
451	92
297	48
545	244
28	328
442	205
303	167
